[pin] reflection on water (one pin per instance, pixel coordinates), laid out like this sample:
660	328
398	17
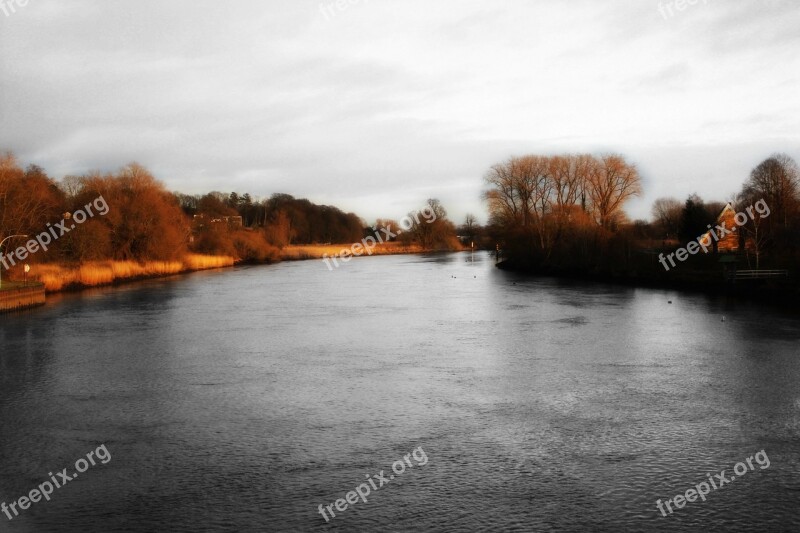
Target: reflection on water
242	400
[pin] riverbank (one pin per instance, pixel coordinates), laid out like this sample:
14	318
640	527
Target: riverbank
75	277
70	277
783	293
319	251
17	296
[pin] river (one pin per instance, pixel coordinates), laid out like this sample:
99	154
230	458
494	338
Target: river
242	400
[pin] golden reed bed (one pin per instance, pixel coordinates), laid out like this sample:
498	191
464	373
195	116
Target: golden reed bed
96	273
318	251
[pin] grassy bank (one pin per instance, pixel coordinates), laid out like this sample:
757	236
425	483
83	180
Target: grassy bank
60	277
65	277
318	251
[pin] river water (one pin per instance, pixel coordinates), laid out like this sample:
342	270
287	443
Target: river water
242	400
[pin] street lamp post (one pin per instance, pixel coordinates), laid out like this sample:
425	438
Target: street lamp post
1	249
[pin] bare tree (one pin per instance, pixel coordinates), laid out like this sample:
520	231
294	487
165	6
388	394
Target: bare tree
505	204
524	195
569	174
469	223
776	180
469	228
430	226
667	214
612	181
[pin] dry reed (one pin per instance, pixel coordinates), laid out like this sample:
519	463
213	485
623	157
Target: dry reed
57	277
318	251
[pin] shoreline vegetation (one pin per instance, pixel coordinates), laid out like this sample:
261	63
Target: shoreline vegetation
76	277
101	229
554	215
563	216
320	251
783	293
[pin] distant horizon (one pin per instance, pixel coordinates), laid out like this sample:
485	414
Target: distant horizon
481	215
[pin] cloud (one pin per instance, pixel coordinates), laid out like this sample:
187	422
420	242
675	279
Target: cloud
388	103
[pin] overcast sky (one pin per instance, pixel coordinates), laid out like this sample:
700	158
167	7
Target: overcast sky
381	105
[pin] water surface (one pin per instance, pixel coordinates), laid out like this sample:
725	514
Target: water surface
241	400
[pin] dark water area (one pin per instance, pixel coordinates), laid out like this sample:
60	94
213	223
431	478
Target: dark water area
243	400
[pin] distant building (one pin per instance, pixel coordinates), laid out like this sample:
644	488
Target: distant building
732	243
231	221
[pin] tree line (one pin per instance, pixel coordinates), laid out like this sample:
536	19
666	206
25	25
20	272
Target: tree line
565	213
776	180
146	222
542	206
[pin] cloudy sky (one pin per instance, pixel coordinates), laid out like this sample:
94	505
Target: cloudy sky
382	104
